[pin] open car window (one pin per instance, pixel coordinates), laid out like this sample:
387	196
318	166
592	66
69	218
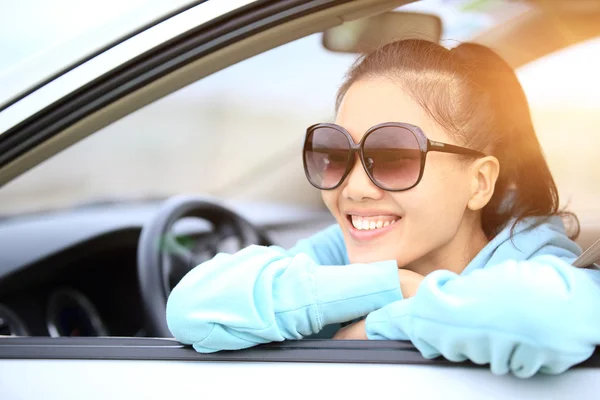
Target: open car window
236	134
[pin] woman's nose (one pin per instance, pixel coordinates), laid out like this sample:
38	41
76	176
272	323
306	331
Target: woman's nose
358	186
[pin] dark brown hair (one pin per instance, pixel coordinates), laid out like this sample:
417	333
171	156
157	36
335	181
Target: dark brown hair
476	97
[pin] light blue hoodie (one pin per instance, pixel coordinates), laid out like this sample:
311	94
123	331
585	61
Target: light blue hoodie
519	305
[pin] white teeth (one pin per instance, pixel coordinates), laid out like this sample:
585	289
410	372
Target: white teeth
361	223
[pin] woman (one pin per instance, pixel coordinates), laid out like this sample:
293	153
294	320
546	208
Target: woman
448	231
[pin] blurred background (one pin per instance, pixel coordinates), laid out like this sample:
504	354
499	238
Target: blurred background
237	134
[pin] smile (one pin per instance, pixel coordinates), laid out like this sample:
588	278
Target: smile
371	223
364	228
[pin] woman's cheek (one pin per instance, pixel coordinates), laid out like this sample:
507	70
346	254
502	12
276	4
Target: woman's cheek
330	199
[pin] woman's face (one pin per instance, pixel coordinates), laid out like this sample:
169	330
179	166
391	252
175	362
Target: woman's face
429	217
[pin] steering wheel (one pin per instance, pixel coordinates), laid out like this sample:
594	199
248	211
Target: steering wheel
163	259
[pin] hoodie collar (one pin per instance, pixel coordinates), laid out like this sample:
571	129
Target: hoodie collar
529	237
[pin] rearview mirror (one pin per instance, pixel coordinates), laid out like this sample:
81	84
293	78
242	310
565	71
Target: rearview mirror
367	34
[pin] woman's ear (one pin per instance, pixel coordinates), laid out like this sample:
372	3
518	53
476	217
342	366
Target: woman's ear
484	173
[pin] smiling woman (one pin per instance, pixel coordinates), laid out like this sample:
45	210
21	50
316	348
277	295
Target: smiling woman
476	232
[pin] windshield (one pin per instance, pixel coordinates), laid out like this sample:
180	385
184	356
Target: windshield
237	134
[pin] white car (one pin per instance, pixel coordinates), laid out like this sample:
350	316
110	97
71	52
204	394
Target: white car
137	149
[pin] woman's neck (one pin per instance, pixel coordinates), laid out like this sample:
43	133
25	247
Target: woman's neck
457	253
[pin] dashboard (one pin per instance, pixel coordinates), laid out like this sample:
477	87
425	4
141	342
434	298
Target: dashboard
74	272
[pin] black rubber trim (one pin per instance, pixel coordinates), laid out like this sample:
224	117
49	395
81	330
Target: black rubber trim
151	66
302	351
109	45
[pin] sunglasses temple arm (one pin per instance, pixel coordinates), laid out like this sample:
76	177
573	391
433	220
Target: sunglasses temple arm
450	148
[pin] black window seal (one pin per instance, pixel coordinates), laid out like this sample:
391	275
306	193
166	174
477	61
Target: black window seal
150	66
165	349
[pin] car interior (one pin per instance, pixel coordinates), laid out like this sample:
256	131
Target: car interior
92	265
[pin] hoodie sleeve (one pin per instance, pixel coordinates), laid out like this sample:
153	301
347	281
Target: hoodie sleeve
264	294
540	314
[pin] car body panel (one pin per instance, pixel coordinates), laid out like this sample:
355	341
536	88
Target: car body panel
158	368
23	76
101	379
111	58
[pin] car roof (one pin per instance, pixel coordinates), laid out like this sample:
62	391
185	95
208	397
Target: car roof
25	75
76	62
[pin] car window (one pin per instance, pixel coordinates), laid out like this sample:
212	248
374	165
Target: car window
235	134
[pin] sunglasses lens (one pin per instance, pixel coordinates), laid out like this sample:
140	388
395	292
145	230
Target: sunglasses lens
393	157
326	155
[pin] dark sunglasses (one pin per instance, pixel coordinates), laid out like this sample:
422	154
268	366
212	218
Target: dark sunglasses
393	155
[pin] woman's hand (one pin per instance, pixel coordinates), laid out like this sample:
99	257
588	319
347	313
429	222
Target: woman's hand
409	283
355	331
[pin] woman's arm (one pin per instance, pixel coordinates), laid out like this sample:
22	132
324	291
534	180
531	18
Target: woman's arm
409	283
264	294
536	315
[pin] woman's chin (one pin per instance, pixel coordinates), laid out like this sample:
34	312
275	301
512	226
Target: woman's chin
369	254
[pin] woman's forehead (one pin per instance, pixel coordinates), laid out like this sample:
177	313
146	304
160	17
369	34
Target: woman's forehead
377	100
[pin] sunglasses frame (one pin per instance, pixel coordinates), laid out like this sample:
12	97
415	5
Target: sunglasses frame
425	146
